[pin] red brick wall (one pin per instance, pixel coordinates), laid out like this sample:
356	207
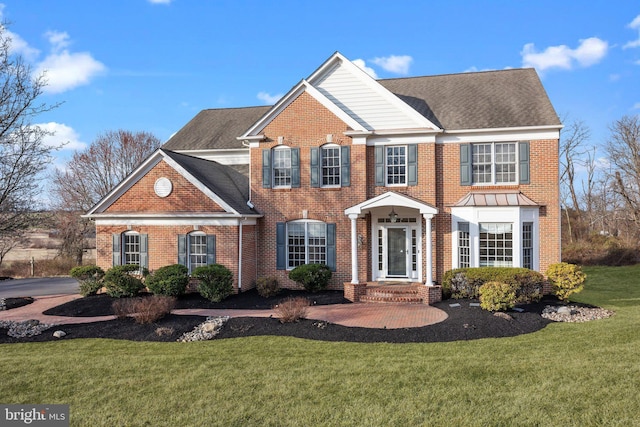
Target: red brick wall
183	198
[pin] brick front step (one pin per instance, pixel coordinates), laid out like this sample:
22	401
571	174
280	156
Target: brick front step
387	299
392	294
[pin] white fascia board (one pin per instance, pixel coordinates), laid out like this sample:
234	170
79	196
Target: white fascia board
328	104
186	175
173	220
499	135
231	156
391	198
128	182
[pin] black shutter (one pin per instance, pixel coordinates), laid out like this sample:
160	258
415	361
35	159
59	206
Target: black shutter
379	161
315	167
281	253
182	249
345	166
412	164
523	147
295	168
116	254
266	168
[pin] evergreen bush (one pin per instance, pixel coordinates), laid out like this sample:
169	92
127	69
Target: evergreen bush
566	279
122	281
89	277
170	280
216	281
313	277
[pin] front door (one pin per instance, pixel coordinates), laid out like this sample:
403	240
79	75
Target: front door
397	251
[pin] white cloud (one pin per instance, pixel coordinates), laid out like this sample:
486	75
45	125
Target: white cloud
61	135
634	25
360	63
398	64
65	70
589	52
269	99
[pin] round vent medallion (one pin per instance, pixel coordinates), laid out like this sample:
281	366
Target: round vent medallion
163	187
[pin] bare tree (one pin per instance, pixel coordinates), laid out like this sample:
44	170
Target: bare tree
623	149
90	175
23	153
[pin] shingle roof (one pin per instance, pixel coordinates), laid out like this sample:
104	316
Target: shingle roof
495	198
227	183
216	128
491	99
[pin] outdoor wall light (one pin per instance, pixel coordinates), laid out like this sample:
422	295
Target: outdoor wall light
393	216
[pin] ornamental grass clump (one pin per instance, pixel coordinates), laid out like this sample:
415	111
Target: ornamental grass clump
215	281
170	280
292	309
566	279
89	277
497	296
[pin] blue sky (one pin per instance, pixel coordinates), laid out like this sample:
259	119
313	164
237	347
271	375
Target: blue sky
151	65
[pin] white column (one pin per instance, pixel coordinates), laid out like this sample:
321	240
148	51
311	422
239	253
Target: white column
354	249
429	272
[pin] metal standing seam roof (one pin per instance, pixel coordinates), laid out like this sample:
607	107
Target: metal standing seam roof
224	181
480	199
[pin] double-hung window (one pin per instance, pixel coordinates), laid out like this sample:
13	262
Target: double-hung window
131	245
496	244
396	165
330	155
306	243
131	248
494	163
281	167
196	249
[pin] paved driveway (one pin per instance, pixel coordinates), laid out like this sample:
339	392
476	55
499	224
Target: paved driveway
38	287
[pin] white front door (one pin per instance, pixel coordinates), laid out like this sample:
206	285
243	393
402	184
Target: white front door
396	249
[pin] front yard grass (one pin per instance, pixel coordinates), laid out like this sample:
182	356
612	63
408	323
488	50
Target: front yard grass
566	374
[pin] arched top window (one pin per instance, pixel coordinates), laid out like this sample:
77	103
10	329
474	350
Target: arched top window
196	249
130	247
281	167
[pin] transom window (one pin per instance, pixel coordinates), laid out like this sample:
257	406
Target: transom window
496	245
131	248
494	163
396	165
197	251
282	167
330	166
306	243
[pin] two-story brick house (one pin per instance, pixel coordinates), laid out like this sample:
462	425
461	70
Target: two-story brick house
382	180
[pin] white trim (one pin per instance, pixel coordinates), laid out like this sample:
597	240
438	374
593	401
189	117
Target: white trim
497	135
389	199
236	156
170	221
328	104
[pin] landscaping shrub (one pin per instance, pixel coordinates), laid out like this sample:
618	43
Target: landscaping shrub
216	281
170	280
292	309
145	310
121	281
566	279
90	278
313	277
466	282
497	296
267	286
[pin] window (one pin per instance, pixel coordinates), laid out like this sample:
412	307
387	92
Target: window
527	245
464	248
396	165
131	249
330	156
282	167
196	249
305	242
494	163
496	245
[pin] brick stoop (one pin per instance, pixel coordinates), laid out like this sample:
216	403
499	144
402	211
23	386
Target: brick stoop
404	292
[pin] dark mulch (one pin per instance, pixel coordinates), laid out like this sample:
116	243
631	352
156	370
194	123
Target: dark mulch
464	322
10	303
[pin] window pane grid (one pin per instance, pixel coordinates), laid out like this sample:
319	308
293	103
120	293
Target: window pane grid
396	165
527	245
505	163
306	243
197	251
414	250
282	168
496	245
494	163
132	249
481	163
331	166
464	247
380	247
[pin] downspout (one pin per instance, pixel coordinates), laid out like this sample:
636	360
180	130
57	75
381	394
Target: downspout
240	256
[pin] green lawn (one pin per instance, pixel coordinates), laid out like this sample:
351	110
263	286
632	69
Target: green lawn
566	374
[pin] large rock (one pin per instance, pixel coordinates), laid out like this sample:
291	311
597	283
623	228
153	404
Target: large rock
59	334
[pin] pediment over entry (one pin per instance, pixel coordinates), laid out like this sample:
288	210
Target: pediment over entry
391	199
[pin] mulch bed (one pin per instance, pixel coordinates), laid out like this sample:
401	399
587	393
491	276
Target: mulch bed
464	322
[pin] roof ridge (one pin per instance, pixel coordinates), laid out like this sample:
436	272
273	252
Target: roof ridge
462	73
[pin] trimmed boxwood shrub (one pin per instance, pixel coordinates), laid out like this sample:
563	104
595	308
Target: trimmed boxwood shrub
313	277
267	286
123	281
496	296
170	280
566	279
216	281
90	278
466	282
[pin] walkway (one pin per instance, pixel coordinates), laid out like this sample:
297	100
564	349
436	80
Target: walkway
389	316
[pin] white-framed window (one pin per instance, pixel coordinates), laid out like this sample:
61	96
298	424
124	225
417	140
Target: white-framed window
496	244
527	245
197	250
281	167
330	157
464	245
306	243
131	248
494	163
396	165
